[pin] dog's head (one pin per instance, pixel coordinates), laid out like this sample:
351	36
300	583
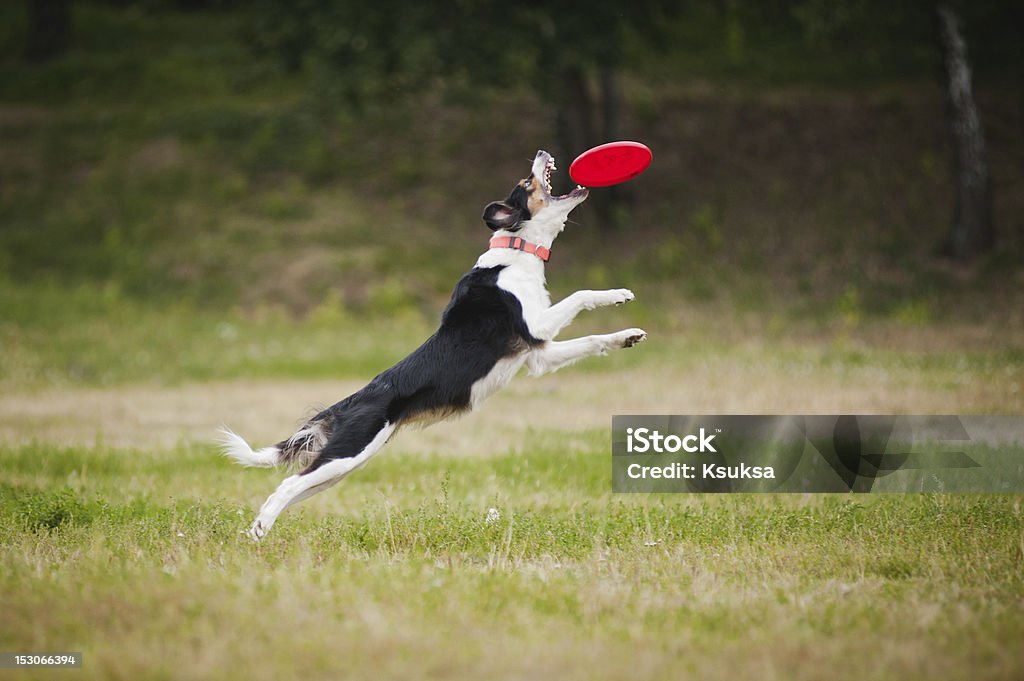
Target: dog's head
532	207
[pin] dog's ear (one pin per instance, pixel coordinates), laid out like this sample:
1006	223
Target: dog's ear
500	215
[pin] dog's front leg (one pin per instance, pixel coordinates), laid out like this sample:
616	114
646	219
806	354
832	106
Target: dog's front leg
554	355
561	314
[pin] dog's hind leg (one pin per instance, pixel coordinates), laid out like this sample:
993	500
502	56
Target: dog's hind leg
314	479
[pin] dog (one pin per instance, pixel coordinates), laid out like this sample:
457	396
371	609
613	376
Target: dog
500	318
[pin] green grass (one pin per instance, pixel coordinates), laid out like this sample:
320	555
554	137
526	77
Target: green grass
135	559
58	336
88	335
178	218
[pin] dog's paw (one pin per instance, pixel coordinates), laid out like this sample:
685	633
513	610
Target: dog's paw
596	299
631	337
257	531
620	295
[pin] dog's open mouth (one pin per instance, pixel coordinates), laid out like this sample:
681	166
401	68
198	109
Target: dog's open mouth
549	167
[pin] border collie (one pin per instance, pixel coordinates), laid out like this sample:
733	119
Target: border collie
499	319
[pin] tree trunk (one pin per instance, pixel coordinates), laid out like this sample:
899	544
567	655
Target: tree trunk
972	232
575	113
618	199
49	27
581	124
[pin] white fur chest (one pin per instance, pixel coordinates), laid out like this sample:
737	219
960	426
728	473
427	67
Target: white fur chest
523	277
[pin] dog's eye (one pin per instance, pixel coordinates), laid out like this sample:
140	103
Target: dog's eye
527	182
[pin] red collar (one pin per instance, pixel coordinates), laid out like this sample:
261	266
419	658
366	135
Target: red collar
521	244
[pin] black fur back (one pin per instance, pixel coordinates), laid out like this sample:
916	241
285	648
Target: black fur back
481	325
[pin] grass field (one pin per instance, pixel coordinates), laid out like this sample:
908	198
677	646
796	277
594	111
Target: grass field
120	536
190	237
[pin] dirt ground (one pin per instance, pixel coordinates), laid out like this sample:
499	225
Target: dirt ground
145	416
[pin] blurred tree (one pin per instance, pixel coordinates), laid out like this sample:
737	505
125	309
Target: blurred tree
571	55
972	231
49	27
567	52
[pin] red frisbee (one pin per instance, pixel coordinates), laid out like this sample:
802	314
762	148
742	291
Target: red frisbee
610	164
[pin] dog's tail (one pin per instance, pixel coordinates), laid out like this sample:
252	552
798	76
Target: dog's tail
295	452
236	448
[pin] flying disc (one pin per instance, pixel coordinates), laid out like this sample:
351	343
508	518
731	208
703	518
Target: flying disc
610	164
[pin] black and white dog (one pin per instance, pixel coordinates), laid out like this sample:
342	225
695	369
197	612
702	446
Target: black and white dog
500	318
